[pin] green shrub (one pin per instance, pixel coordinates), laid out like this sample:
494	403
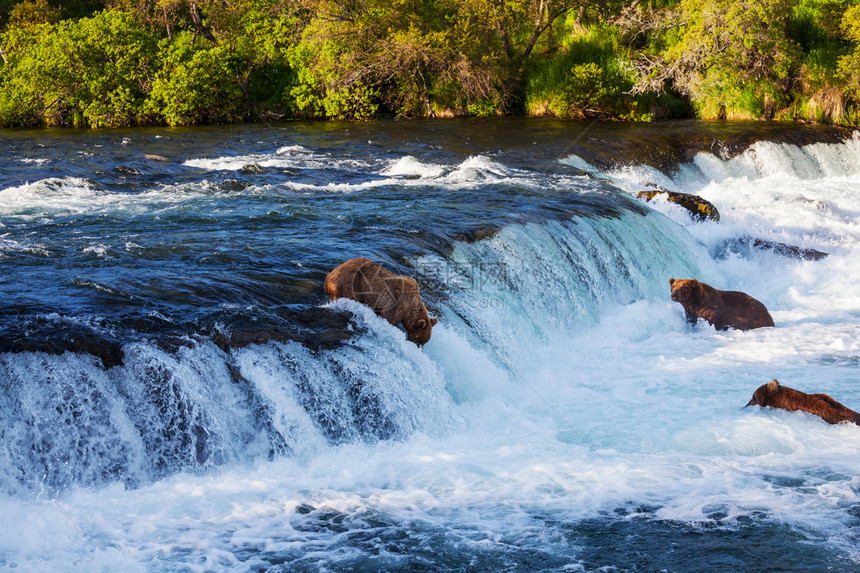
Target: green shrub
197	85
849	65
96	69
483	107
317	89
585	79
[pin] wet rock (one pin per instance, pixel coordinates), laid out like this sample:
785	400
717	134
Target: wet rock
75	339
305	509
233	185
252	169
126	170
743	246
314	327
479	234
789	250
700	209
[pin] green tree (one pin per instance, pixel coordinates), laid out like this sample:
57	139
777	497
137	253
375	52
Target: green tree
849	65
196	85
92	71
32	13
415	56
729	55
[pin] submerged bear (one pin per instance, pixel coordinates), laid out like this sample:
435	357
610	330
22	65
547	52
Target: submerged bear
393	297
724	309
777	396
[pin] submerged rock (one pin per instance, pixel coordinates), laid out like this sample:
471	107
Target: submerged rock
233	185
789	250
478	234
664	145
314	327
126	170
700	209
743	245
109	352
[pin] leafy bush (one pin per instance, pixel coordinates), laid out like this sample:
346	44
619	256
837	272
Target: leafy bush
584	80
482	107
96	69
849	65
196	85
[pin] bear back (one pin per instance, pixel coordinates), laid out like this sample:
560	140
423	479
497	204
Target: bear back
723	309
396	298
775	395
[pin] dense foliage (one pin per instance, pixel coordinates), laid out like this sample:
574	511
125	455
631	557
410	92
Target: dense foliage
130	62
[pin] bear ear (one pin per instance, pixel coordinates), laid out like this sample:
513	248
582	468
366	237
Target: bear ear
773	385
694	282
433	321
420	324
671	282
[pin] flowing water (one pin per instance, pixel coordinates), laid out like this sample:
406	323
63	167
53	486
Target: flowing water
177	394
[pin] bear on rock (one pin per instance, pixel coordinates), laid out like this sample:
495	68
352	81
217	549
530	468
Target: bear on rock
724	309
393	297
777	396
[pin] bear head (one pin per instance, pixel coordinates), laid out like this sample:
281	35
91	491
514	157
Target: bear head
762	396
686	290
420	331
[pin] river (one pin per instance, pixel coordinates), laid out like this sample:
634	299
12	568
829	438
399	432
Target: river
177	393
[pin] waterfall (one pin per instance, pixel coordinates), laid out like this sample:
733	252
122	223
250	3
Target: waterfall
70	421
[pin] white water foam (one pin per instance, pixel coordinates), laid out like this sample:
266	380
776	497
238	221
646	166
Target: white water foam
410	172
58	197
406	171
286	157
34	160
49	197
409	166
17	247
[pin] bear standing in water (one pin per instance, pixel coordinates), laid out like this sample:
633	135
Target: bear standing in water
724	309
393	297
777	396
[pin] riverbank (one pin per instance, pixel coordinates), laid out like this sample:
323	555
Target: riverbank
79	64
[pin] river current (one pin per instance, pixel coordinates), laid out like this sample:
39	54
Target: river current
178	394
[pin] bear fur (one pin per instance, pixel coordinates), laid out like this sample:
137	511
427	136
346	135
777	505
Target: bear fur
393	297
777	396
724	309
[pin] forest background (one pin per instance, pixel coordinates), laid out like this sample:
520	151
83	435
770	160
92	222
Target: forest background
107	63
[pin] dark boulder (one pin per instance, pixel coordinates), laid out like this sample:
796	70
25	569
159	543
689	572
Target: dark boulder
743	246
252	169
788	250
700	209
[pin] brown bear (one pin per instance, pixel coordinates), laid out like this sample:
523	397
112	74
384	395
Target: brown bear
393	297
724	309
777	396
